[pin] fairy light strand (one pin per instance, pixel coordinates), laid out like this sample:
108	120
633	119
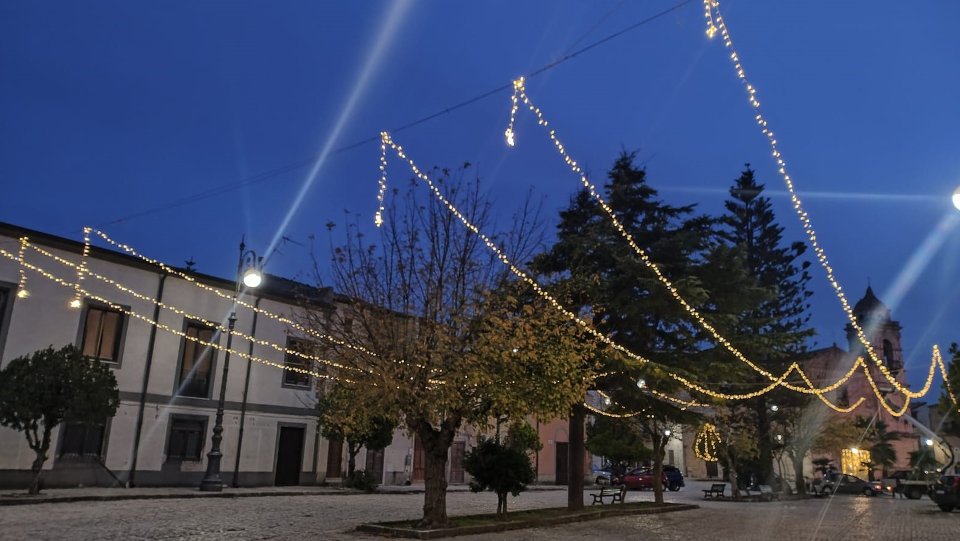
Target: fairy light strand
715	24
22	291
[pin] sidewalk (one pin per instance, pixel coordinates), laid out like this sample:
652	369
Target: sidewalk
67	495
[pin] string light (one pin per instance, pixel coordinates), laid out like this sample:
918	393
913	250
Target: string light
188	315
401	154
715	21
161	326
706	442
81	269
22	291
240	302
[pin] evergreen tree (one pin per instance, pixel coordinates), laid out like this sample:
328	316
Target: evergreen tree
774	332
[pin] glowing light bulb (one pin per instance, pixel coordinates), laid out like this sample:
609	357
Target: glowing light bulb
929	442
666	432
774	408
641	383
75	303
510	137
956	198
854	450
23	294
252	277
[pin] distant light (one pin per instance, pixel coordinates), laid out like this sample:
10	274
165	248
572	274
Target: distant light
666	432
956	198
779	437
606	400
642	383
929	442
854	450
23	294
516	350
75	303
774	408
252	277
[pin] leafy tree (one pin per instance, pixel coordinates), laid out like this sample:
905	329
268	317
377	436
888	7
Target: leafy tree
801	426
618	440
880	439
836	435
365	428
773	332
433	333
48	387
738	440
524	437
498	467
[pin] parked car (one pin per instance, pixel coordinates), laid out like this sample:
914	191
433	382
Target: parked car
908	483
848	484
602	475
946	492
641	478
674	478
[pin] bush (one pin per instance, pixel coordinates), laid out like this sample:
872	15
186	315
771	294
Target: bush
361	480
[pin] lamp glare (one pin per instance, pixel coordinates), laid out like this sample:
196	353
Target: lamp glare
252	278
956	198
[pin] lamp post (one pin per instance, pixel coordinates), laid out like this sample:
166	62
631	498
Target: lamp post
250	273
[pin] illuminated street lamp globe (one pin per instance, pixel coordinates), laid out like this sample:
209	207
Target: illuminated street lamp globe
956	198
252	277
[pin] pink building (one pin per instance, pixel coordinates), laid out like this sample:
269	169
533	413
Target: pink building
828	365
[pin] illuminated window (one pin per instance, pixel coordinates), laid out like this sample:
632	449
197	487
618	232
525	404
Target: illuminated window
855	462
293	378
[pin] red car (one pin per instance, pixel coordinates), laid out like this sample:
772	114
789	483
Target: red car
641	478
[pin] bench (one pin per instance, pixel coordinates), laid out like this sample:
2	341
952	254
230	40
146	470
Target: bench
615	494
767	494
715	491
763	493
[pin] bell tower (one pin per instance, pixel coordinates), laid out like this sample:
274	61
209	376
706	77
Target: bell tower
881	331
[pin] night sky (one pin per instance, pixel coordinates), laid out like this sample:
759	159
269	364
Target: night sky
119	114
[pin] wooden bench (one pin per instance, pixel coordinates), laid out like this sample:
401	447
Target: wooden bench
715	491
767	494
615	494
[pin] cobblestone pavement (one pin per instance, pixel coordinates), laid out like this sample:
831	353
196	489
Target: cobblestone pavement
334	517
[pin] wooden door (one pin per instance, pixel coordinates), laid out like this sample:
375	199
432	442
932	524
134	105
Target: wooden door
289	456
417	461
334	459
374	465
456	461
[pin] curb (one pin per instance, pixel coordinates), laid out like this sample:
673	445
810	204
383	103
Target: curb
394	531
26	500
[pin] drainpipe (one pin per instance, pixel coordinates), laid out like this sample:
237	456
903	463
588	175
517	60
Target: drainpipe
246	387
131	477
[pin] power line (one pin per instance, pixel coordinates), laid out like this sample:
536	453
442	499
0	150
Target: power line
269	174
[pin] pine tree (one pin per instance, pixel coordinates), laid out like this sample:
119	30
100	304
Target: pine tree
772	334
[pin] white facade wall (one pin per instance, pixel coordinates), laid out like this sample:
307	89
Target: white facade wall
44	319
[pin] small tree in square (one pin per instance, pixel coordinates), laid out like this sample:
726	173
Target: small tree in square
503	467
41	390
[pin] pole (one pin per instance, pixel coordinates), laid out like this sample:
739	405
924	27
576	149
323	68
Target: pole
211	481
131	477
246	388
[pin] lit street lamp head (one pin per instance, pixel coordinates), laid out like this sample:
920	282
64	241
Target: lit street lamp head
956	198
252	277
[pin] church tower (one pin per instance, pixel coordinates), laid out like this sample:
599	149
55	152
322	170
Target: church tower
881	331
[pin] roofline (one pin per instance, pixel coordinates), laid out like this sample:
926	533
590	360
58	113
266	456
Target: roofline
113	256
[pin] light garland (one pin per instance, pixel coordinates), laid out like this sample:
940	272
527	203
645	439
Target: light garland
22	291
188	315
240	302
387	142
76	302
706	442
161	326
716	23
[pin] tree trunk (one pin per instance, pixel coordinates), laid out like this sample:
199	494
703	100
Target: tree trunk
502	505
659	444
41	457
732	472
436	444
352	450
765	460
575	451
798	476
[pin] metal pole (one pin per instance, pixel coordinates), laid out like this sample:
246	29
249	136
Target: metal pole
211	481
131	477
246	388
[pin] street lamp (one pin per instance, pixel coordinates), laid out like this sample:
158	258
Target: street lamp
956	198
250	272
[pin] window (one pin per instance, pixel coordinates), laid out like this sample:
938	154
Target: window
292	378
102	333
888	354
81	440
186	438
196	360
6	307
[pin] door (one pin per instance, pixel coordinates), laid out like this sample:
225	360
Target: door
562	460
374	465
712	470
456	461
334	458
289	456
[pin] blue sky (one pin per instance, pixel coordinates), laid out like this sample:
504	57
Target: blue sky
108	109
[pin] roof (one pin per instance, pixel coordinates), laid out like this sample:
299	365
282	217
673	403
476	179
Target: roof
871	306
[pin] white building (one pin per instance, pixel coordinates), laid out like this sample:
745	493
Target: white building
168	384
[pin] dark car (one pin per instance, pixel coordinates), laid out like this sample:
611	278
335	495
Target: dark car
674	478
641	478
848	484
946	492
